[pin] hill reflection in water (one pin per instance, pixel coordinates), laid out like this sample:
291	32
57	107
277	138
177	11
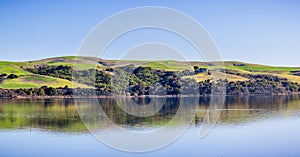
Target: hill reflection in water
61	114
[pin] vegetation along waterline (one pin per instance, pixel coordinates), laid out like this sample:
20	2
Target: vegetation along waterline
53	77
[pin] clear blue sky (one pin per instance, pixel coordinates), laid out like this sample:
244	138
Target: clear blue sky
266	32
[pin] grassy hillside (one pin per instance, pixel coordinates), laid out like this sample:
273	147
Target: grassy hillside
247	68
29	80
35	81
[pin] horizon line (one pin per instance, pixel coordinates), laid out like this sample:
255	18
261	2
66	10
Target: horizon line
110	59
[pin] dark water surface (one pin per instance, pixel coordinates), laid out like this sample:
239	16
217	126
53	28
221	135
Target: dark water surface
247	126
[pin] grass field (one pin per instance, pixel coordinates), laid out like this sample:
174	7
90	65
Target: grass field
169	65
36	81
204	76
12	68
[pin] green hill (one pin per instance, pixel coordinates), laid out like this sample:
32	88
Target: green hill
236	71
28	80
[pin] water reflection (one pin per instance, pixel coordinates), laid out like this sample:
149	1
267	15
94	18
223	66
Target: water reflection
62	115
126	131
50	114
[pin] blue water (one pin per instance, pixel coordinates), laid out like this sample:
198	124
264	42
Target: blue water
247	127
276	136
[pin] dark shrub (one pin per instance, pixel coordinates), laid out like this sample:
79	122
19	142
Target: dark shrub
12	76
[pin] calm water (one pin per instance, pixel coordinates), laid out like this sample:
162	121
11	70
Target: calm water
247	126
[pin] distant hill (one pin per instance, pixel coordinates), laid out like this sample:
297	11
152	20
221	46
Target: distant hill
57	72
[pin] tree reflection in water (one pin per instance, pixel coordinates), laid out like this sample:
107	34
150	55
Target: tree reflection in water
62	115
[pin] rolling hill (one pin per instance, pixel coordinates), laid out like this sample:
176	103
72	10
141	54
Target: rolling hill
235	71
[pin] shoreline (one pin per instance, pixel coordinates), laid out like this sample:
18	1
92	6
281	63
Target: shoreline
146	96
